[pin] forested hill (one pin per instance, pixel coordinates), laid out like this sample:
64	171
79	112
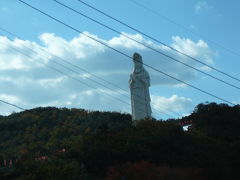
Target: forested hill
52	143
49	128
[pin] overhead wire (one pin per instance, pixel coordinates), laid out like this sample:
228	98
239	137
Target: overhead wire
156	107
11	104
67	61
149	47
127	56
156	40
183	27
61	72
92	87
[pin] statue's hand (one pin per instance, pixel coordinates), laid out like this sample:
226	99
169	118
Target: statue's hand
131	80
136	77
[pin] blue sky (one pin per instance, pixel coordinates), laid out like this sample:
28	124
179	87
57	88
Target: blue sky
27	83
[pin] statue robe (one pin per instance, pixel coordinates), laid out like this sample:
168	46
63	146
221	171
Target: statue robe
140	99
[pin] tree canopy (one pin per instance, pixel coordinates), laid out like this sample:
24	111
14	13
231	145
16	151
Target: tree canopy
53	143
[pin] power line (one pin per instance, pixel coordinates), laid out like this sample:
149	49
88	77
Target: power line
156	40
67	62
86	84
16	106
61	72
183	27
127	56
149	47
157	108
94	40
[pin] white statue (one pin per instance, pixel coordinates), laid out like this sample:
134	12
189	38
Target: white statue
139	86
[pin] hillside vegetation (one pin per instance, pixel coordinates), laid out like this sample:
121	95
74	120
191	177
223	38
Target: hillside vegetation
51	143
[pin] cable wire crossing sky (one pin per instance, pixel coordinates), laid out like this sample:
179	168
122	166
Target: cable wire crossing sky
27	83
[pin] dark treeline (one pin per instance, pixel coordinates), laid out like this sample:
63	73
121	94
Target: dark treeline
51	143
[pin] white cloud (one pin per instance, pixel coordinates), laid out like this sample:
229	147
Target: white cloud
79	47
5	110
123	41
202	6
50	83
199	50
9	98
171	104
12	59
38	85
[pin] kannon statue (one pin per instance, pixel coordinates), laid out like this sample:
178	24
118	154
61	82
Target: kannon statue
139	84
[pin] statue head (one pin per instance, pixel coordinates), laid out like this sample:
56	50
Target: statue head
138	64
